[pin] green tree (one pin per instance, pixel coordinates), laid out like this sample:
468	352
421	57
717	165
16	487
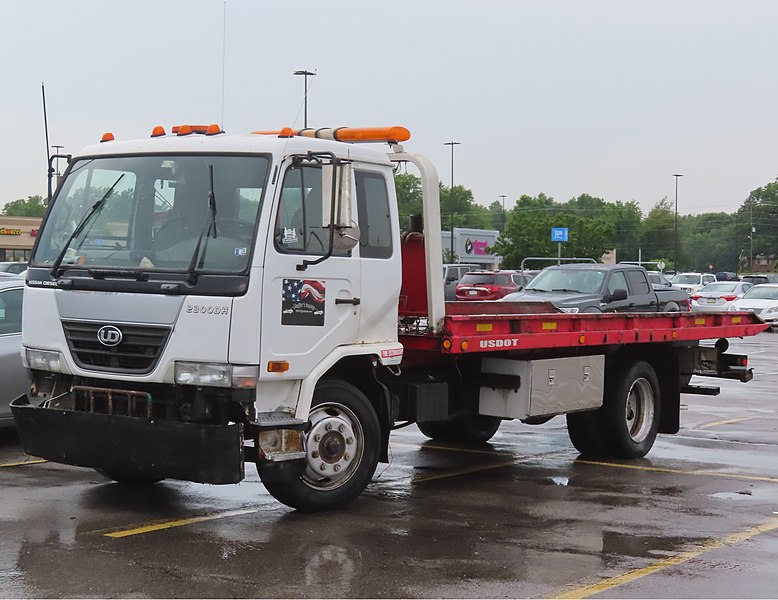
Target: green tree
658	235
409	197
32	207
528	232
760	213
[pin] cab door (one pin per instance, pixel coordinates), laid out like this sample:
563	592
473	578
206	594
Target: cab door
307	309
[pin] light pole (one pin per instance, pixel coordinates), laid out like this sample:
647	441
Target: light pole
503	212
451	194
305	73
675	255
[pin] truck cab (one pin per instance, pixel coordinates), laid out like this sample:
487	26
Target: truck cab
204	281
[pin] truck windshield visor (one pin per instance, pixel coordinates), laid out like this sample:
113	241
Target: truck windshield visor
156	212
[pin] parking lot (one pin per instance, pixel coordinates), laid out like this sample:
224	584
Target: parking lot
520	517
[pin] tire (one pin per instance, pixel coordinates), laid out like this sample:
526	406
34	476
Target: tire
671	307
474	429
585	432
342	447
630	414
128	479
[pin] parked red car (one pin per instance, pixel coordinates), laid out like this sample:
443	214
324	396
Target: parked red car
490	285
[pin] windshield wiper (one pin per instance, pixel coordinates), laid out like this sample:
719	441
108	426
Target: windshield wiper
566	290
191	272
80	227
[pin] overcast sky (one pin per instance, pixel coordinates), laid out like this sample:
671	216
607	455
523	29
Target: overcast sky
608	97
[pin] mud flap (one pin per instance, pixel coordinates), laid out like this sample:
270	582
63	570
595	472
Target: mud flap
132	446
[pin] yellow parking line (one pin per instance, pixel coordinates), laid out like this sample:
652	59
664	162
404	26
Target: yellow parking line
725	422
428	446
35	461
178	523
612	582
466	471
679	471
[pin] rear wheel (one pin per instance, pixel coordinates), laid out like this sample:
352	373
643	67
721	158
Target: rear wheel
341	451
472	428
627	423
630	415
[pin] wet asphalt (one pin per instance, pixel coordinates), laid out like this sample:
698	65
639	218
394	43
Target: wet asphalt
522	516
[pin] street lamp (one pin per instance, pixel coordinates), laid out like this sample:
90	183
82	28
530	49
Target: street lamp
451	193
675	256
503	212
305	73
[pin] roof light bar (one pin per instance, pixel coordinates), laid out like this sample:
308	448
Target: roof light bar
392	135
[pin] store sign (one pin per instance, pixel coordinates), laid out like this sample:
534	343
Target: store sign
476	247
8	231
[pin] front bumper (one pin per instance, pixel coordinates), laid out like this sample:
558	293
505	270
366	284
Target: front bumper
153	449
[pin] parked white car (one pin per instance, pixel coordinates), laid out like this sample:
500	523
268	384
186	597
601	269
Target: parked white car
692	282
719	295
761	300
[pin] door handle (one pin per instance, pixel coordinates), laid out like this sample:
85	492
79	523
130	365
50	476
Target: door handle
354	301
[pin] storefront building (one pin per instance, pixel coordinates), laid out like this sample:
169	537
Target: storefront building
17	235
473	246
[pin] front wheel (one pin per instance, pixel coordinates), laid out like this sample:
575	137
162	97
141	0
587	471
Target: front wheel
341	451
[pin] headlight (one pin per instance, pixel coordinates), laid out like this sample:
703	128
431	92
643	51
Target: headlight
770	310
216	375
44	360
569	309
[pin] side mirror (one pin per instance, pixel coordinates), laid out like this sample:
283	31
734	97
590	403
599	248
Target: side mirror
336	193
619	294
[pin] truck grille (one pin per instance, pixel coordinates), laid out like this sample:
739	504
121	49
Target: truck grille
138	351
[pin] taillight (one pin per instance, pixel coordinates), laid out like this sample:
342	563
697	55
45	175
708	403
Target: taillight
696	297
729	298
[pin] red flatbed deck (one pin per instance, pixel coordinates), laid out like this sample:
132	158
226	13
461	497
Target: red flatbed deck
471	327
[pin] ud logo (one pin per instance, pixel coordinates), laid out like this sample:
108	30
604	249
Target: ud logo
108	335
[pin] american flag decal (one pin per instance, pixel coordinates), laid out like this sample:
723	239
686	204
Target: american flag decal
302	302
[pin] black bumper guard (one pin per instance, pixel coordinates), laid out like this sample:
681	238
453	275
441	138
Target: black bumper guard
131	446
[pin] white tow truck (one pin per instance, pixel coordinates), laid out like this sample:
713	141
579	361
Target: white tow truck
196	300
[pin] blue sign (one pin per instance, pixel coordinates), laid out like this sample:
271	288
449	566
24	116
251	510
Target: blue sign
559	234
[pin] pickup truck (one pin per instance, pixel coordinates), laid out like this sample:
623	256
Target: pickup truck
592	288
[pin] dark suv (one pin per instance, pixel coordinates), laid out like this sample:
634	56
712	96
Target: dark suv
490	285
726	276
757	278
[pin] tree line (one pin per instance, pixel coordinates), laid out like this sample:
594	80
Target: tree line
718	241
725	241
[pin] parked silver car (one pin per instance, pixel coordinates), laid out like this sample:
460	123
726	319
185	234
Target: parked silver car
719	295
13	374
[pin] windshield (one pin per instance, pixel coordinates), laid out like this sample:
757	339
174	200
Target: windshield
150	212
687	279
761	292
587	281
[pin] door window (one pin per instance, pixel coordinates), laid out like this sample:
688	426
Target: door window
299	228
617	282
11	311
375	225
637	282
